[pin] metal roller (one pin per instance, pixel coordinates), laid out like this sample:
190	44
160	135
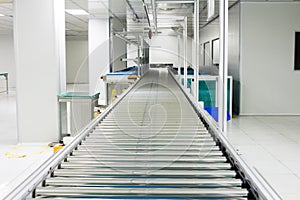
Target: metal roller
164	136
148	148
152	145
159	153
94	192
211	183
112	172
152	165
152	141
166	133
196	159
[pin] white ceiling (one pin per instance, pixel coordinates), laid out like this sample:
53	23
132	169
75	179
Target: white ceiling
130	12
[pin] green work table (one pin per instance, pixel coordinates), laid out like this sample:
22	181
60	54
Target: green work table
76	111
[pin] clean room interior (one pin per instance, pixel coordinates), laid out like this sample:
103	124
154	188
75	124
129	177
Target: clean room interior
68	77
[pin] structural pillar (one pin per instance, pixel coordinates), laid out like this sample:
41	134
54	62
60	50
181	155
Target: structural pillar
39	37
98	56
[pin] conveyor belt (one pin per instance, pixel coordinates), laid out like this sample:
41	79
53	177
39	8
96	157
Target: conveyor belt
152	145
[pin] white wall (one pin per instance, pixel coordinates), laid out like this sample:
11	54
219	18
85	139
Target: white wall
131	54
164	49
269	83
234	42
207	34
7	59
118	47
98	56
119	52
234	55
211	32
77	62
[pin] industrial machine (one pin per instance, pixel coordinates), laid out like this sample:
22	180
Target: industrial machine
151	143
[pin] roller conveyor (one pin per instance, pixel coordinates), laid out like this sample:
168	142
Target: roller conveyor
152	145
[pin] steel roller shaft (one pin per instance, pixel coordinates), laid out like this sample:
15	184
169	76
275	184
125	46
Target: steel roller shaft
152	145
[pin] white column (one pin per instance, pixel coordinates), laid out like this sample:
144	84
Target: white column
178	56
223	66
98	56
185	52
40	67
196	49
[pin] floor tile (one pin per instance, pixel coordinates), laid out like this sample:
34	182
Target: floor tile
284	183
18	162
273	149
290	196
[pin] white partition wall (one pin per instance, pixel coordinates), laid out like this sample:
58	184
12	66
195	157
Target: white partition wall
77	60
270	86
98	56
39	49
7	59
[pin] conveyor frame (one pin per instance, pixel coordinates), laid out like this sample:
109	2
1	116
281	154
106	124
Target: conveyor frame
27	186
258	187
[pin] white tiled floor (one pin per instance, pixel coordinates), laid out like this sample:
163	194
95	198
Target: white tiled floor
269	144
17	160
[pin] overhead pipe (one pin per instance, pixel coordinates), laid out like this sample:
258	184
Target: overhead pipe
132	10
146	11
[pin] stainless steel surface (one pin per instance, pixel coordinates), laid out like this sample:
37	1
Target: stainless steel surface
148	148
171	192
230	182
149	159
168	154
152	165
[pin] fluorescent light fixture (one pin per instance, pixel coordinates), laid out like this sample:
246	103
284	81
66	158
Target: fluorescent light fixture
1	15
76	12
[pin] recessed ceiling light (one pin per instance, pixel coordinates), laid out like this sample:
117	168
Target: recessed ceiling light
1	15
76	12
